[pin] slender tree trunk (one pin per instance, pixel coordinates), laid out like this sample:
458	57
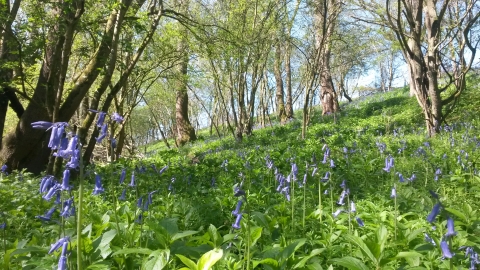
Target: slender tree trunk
288	83
282	116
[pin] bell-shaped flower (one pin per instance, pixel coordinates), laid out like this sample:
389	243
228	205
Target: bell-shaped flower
101	117
62	262
343	184
286	191
445	249
68	208
336	213
48	215
342	198
3	226
132	180
117	118
4	169
66	179
428	239
435	211
140	202
237	192
332	164
326	177
353	209
450	228
238	208
401	179
360	222
139	219
294	170
98	185
149	200
123	175
41	125
113	142
52	192
123	196
237	225
103	133
163	170
59	244
46	183
393	193
74	162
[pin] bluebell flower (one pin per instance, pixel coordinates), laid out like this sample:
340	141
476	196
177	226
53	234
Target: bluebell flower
4	169
353	209
360	222
51	192
48	215
3	226
304	179
428	239
98	185
62	262
103	133
314	171
343	184
336	213
139	219
237	225
123	196
213	183
58	199
41	125
325	192
140	202
58	129
66	179
332	164
286	191
163	170
238	208
450	228
132	180
117	118
413	177
46	183
435	211
123	175
342	198
58	244
149	200
438	172
393	194
68	209
225	165
294	170
445	249
401	179
101	117
74	162
113	142
237	192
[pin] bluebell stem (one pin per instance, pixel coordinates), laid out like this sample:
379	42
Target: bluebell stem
435	211
62	262
66	179
353	209
117	118
4	169
450	228
336	213
58	244
314	158
103	133
48	215
393	194
434	195
445	249
428	239
123	196
132	180
237	225
68	209
360	222
123	175
98	185
238	208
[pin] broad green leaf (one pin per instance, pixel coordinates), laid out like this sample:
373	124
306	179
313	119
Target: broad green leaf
183	234
189	263
170	224
351	263
457	213
28	250
209	259
214	235
104	245
255	234
157	260
304	260
124	251
363	247
268	261
408	254
290	249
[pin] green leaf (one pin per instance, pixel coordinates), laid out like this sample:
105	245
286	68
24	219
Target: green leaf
304	260
267	261
124	251
209	259
183	234
170	224
214	235
255	234
189	263
290	249
351	263
457	213
157	260
27	250
359	243
408	254
104	245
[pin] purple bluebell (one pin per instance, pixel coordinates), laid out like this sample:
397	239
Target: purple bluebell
238	208
170	186
58	244
294	170
438	172
139	219
65	180
62	262
225	165
445	249
336	213
401	179
393	194
413	177
149	200
332	164
56	135
237	192
113	142
389	163
428	239
237	224
51	192
286	191
450	228
325	192
58	198
314	171
353	208
435	211
48	215
360	222
41	125
163	170
4	169
68	208
101	117
46	183
98	185
343	184
342	198
132	180
103	133
304	179
123	175
140	202
74	162
213	182
123	196
117	117
326	177
3	226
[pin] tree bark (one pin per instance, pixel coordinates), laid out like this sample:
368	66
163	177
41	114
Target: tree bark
282	116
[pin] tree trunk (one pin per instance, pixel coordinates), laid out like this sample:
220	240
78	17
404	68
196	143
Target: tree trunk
288	83
282	116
